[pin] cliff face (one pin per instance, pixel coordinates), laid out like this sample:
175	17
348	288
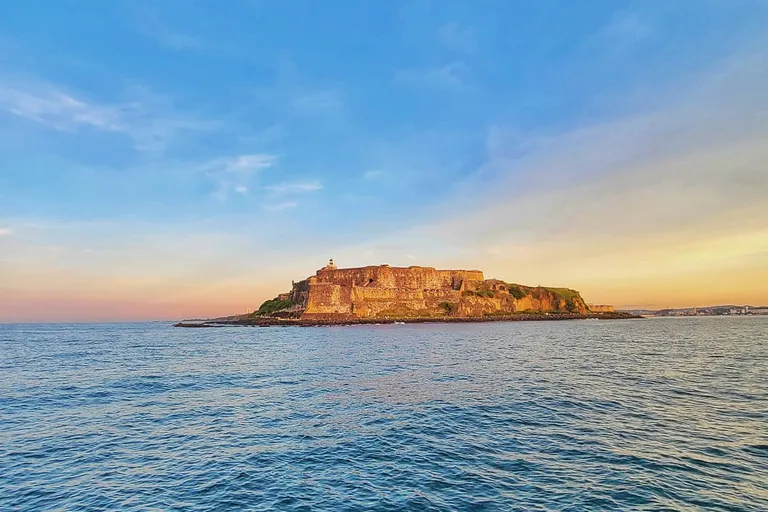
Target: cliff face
398	292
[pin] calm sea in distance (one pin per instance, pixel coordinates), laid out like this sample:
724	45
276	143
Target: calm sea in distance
654	414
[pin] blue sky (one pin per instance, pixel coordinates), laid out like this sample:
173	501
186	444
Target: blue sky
164	138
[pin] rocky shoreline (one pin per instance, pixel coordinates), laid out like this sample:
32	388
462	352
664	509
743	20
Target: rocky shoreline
305	322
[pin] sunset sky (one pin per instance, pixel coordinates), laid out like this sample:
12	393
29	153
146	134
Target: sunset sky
162	160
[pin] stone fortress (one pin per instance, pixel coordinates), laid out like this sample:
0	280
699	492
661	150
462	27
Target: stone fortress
412	292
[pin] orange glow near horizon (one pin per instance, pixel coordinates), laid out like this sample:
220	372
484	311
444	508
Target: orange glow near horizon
113	301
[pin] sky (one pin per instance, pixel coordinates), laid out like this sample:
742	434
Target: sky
176	159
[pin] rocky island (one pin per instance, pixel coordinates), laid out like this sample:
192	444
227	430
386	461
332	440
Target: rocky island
384	294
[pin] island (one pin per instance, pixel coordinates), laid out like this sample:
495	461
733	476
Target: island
384	294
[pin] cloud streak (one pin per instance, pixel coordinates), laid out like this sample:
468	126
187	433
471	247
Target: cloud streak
58	110
287	205
245	164
318	103
147	120
152	26
626	29
295	187
457	38
235	173
449	77
372	175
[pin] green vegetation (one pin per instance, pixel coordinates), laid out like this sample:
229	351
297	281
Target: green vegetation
449	307
571	298
273	306
563	293
479	293
516	291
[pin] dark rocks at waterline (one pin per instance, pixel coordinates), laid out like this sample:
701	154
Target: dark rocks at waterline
315	322
197	325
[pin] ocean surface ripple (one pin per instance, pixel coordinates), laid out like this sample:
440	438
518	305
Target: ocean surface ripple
657	414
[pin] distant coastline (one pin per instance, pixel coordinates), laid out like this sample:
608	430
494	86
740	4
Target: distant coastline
721	310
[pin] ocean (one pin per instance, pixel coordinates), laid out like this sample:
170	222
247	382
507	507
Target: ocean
652	414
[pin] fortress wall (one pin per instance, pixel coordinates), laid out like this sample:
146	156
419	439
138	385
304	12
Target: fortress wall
381	277
601	308
397	277
373	293
326	298
461	279
442	294
414	291
346	276
300	292
370	291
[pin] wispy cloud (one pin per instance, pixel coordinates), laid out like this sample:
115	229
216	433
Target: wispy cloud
451	76
319	102
294	187
295	97
152	26
235	173
457	37
372	175
6	231
248	164
238	165
281	206
148	120
626	29
176	40
58	110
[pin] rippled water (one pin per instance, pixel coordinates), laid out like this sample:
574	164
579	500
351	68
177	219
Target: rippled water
658	414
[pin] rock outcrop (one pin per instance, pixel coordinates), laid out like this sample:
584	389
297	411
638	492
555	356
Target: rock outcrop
413	292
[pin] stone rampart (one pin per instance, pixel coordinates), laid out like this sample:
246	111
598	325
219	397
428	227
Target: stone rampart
391	292
384	276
